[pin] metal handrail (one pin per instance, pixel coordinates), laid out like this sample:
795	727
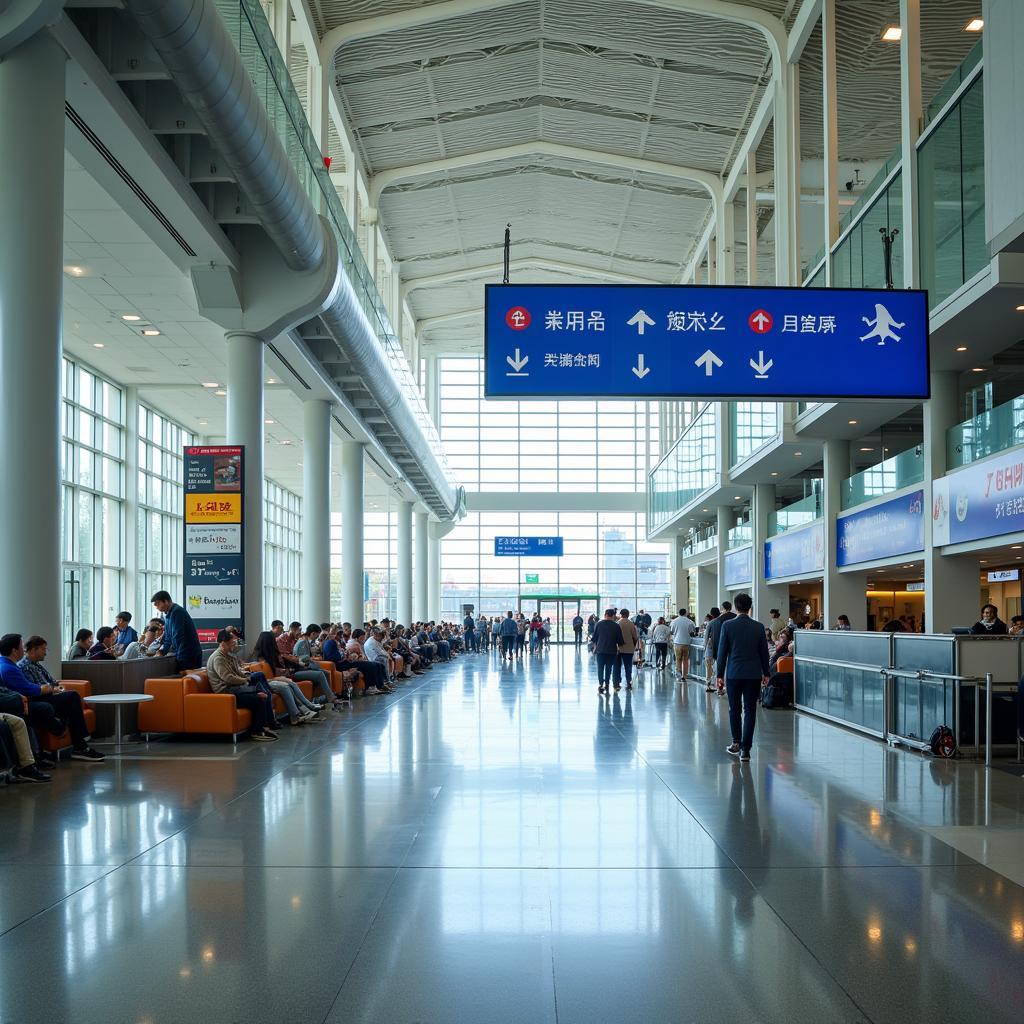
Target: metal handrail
859	666
926	674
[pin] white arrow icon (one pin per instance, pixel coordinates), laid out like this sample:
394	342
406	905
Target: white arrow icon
517	364
709	361
640	370
761	368
640	320
761	318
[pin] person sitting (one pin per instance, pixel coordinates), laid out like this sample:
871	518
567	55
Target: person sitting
180	636
375	673
145	647
300	709
444	648
124	632
102	650
376	651
227	675
989	624
1016	625
79	650
50	706
301	669
783	648
158	627
24	767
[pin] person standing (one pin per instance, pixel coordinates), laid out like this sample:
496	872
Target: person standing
469	633
627	649
775	622
743	668
577	629
607	637
988	625
180	636
509	632
660	636
711	638
682	628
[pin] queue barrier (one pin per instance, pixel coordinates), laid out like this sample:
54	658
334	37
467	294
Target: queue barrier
899	687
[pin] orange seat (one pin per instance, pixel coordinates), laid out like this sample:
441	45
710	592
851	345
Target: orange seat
784	664
52	744
207	712
166	711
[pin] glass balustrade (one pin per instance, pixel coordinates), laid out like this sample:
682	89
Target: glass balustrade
752	425
689	468
893	474
248	27
991	432
858	261
740	535
697	543
800	513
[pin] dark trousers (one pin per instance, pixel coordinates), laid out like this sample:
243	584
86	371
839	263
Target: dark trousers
604	667
579	636
507	645
259	705
623	662
743	694
520	642
661	654
471	641
56	711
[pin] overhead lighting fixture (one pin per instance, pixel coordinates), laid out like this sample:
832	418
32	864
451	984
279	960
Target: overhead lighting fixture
268	422
210	384
737	497
975	25
287	444
271	380
961	348
221	393
1020	309
775	473
1016	547
204	423
852	423
98	344
150	332
977	369
797	455
77	271
131	317
867	449
984	561
892	34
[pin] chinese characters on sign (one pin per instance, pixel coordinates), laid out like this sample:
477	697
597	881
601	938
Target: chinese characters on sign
528	547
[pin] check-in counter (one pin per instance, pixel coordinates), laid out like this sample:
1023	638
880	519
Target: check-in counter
118	677
900	686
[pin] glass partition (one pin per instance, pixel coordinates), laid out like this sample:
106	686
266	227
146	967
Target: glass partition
740	535
991	432
955	80
800	513
951	181
752	425
858	260
700	541
688	469
891	475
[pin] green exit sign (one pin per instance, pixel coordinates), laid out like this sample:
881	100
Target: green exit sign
533	577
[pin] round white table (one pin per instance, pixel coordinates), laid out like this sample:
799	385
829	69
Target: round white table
118	700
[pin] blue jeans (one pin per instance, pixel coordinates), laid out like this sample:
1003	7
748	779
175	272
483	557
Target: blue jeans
318	678
743	694
623	661
292	696
604	667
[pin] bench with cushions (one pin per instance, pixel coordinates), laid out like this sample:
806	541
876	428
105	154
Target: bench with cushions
54	744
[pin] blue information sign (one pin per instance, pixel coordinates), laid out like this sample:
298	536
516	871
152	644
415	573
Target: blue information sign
739	567
895	527
528	547
720	341
984	499
797	553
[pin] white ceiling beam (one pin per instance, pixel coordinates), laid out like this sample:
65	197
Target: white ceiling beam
803	25
707	180
527	263
447	318
770	27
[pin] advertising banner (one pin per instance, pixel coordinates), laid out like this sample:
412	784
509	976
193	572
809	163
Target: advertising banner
982	500
528	547
892	528
213	552
797	553
739	567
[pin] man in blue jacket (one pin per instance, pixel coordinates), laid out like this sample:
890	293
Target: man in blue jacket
180	636
742	656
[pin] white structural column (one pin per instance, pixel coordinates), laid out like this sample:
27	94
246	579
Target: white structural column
713	260
130	554
422	588
245	427
432	387
434	578
316	510
765	597
404	606
911	121
783	171
950	583
726	521
726	232
752	216
31	243
352	605
843	592
707	591
830	130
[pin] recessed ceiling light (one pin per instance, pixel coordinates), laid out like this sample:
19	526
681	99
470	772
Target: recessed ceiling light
737	497
286	443
270	380
984	561
1016	547
892	34
150	332
852	423
961	348
796	455
131	317
705	510
204	423
975	25
774	473
98	344
268	422
77	271
210	384
222	393
977	369
867	449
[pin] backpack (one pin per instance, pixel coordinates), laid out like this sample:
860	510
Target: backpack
942	742
778	691
11	702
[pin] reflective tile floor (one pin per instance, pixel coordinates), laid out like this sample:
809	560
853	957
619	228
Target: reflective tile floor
496	844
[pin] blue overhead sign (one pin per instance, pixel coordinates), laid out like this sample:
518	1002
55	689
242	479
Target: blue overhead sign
719	341
984	499
796	553
895	527
739	567
528	547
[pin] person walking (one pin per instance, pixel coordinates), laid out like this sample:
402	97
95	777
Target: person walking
607	637
660	636
682	628
711	636
577	629
743	668
627	649
508	631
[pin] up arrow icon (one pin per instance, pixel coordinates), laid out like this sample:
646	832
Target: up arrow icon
640	320
709	361
640	370
760	367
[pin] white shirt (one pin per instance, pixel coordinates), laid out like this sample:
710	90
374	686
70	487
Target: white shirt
661	633
682	629
374	652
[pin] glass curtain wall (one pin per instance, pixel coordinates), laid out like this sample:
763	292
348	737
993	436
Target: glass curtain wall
159	523
282	552
92	500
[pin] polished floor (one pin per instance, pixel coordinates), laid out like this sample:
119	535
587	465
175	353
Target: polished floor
497	844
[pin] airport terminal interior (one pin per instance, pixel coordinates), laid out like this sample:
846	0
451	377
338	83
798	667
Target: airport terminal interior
512	511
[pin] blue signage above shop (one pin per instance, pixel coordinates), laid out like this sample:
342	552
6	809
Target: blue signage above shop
985	499
720	341
739	567
797	553
892	528
528	547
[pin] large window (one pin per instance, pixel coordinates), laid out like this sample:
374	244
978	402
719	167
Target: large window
282	552
541	446
160	444
380	563
92	499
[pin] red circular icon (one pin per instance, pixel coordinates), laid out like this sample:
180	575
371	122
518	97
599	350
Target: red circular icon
518	318
760	321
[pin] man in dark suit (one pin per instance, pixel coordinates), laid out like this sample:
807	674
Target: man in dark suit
743	665
713	636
